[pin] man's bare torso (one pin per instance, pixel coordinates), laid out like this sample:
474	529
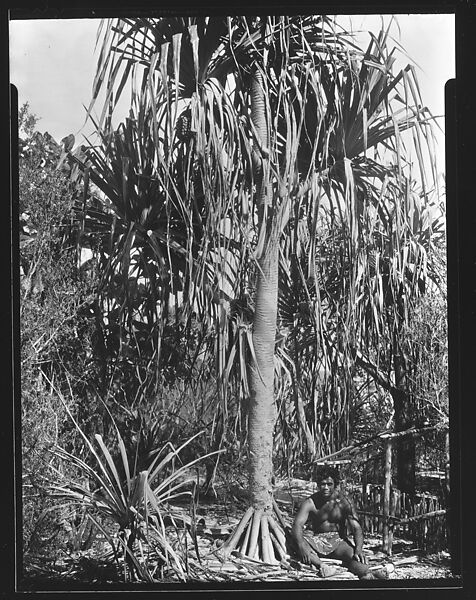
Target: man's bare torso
328	514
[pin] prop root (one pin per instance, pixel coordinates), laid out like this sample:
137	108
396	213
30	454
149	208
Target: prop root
257	536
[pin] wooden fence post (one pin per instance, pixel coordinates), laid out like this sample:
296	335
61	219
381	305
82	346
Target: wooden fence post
387	541
446	496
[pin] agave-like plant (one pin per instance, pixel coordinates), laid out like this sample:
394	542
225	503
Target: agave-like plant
139	503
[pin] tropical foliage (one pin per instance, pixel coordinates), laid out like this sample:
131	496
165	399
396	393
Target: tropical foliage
266	233
136	501
251	137
53	331
203	108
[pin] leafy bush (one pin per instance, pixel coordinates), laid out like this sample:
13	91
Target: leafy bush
54	335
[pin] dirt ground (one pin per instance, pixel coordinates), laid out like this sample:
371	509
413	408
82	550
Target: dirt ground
217	518
406	561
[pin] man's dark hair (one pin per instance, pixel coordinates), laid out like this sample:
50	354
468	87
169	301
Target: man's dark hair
325	471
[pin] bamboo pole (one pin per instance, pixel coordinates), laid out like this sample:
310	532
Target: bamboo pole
387	545
378	498
391	522
364	483
412	519
403	510
379	516
371	441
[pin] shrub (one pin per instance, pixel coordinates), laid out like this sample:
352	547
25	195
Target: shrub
54	335
111	487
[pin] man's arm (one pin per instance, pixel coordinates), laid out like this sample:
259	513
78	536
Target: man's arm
308	556
356	529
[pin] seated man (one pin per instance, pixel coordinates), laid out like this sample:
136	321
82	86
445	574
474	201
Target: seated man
329	511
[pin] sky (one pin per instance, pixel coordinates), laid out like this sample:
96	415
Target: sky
52	64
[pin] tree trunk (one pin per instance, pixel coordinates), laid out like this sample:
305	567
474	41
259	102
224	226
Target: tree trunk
257	535
262	410
404	419
299	406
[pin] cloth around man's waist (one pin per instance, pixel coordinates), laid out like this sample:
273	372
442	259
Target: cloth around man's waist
327	542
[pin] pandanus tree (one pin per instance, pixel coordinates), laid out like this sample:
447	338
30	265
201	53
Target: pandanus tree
241	128
395	232
369	174
214	92
397	267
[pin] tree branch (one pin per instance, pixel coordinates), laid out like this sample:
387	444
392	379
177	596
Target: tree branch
384	435
381	378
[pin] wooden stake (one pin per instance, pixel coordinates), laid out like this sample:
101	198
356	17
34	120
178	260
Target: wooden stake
364	482
387	544
254	533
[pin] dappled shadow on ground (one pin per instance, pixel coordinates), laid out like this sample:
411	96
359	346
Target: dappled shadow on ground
216	517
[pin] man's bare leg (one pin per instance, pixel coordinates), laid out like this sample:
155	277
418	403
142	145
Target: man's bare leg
325	570
345	553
